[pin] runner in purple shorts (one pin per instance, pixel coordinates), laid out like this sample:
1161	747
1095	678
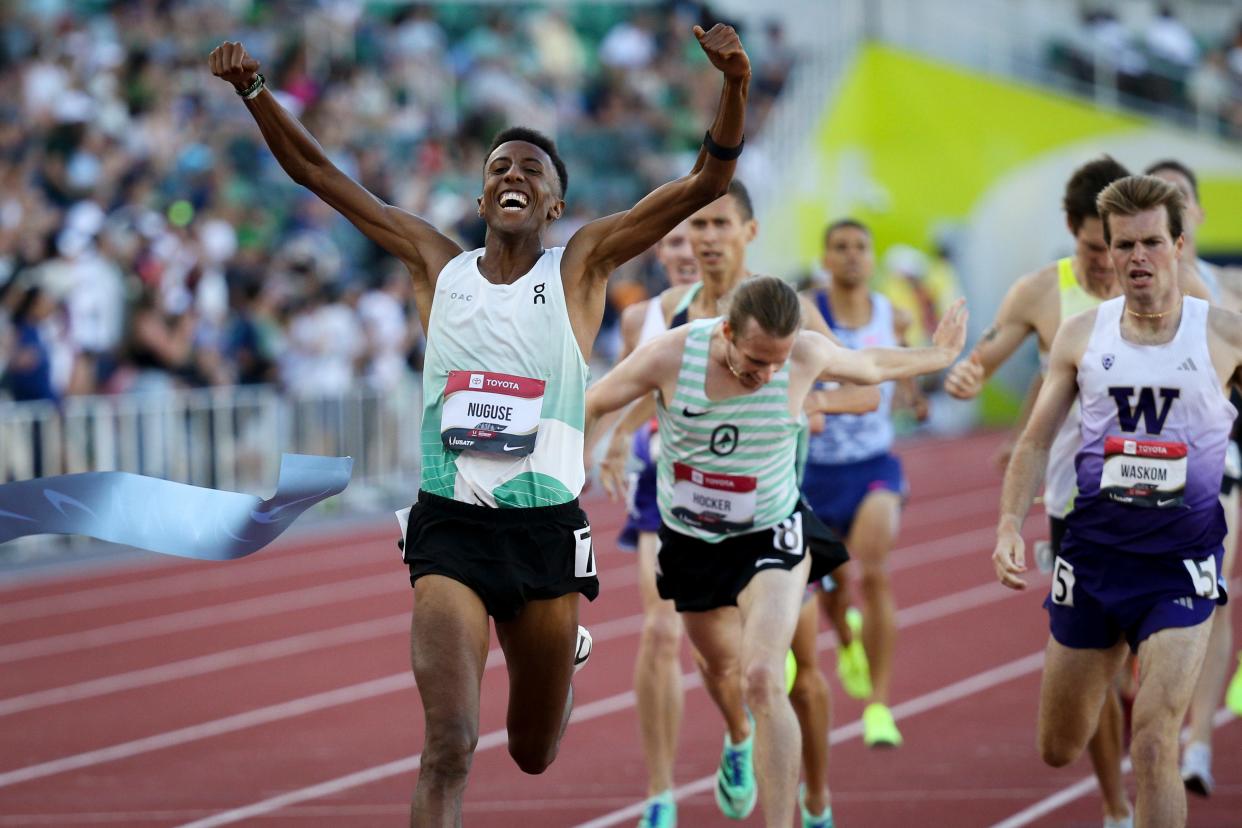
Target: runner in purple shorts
853	481
1139	566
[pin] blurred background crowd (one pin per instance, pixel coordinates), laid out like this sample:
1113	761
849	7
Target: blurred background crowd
172	304
149	241
1160	64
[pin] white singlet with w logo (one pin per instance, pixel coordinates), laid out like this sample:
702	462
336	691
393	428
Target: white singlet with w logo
1155	425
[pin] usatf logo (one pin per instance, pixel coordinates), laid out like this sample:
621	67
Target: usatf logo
1108	360
476	380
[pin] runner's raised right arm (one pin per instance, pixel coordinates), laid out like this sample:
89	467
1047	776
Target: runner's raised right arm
423	249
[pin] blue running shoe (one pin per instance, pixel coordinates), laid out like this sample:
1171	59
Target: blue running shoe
736	793
660	811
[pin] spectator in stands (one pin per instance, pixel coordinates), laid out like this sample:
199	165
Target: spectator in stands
28	375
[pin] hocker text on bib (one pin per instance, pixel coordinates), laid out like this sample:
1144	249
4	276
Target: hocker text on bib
713	501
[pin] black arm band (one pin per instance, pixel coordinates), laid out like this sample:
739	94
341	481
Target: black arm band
717	151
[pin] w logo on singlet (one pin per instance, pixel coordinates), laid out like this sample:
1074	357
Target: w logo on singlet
1128	417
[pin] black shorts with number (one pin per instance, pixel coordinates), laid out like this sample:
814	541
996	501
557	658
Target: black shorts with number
507	556
698	576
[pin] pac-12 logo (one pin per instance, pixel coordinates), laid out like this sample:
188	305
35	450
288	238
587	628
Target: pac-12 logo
476	380
1153	421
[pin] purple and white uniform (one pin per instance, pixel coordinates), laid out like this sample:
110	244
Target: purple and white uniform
1143	543
852	457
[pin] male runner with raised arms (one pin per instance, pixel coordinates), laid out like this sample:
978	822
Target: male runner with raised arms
853	482
734	546
1038	303
719	235
497	530
1224	286
1139	562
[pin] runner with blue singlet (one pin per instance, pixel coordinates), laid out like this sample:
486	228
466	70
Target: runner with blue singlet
853	481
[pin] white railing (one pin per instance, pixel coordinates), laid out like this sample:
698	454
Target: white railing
223	438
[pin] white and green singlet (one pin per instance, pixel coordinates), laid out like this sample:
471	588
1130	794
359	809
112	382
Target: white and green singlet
504	388
727	466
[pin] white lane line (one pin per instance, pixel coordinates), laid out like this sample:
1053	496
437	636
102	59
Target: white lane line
187	582
1084	786
621	701
216	727
488	741
212	662
912	556
921	704
616	628
920	510
209	616
161	570
915	615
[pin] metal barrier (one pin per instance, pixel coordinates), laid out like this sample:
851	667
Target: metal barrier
223	438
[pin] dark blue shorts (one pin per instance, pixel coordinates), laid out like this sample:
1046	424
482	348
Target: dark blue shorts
1098	595
836	491
642	510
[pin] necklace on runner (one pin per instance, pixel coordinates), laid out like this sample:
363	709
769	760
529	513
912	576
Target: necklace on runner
1160	315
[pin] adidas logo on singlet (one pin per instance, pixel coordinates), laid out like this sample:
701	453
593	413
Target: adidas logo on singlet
1187	365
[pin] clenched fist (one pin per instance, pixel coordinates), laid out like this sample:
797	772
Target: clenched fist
229	61
724	49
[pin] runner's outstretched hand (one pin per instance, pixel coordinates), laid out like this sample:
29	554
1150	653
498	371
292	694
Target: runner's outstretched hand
950	334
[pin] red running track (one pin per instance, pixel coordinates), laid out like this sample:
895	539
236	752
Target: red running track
275	691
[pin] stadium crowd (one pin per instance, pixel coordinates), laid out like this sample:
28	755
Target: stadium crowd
1159	63
148	240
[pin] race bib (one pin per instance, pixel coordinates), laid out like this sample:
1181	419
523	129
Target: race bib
496	413
1147	473
714	502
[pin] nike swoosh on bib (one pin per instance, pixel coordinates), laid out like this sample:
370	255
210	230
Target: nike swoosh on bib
688	413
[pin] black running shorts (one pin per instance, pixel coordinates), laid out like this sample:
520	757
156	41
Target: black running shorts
507	556
698	576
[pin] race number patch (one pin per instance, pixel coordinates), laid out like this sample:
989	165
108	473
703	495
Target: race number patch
495	413
1203	574
1062	583
1147	473
714	502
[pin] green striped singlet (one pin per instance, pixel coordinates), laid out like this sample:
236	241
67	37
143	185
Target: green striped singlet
726	466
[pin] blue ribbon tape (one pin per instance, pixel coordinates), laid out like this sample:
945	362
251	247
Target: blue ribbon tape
167	517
